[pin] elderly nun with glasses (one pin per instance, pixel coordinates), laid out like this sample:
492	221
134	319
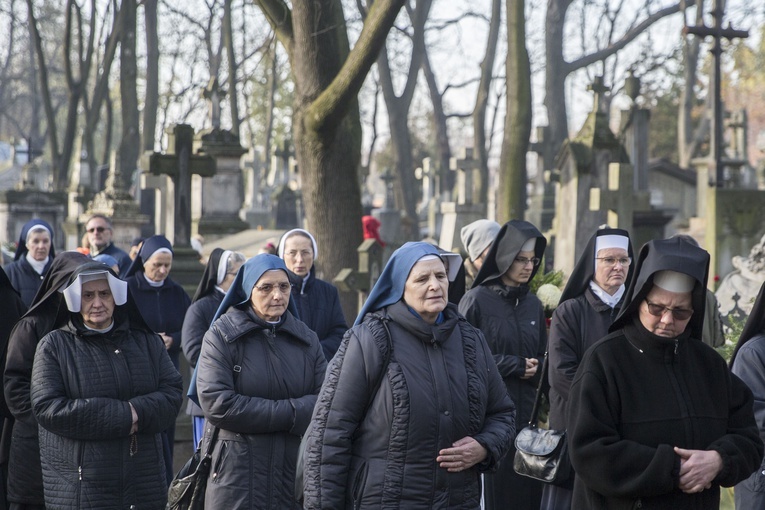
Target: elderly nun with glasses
258	375
656	418
103	389
512	318
413	409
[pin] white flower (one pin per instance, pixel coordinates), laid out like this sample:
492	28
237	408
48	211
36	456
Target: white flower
549	295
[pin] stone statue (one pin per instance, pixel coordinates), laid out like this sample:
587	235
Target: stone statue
745	280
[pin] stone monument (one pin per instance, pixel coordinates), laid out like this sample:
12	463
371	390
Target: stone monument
465	210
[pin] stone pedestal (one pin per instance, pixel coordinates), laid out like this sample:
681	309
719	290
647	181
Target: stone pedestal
187	269
124	212
222	195
19	206
454	217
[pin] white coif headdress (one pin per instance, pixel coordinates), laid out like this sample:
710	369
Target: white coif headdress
73	292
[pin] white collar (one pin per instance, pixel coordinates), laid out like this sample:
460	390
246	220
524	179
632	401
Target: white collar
152	282
37	265
604	296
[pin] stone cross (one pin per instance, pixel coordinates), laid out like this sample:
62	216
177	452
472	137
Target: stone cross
364	278
718	33
179	165
599	88
214	95
466	168
280	165
388	177
619	199
29	151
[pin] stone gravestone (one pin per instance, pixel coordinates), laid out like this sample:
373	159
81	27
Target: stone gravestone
465	210
542	200
362	280
222	195
389	216
256	210
430	205
582	164
739	287
179	165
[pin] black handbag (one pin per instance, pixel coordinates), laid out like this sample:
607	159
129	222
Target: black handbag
540	453
187	490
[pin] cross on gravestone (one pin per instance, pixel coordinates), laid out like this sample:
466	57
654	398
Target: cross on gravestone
718	33
466	167
387	177
362	280
620	198
214	95
280	165
29	151
179	165
599	88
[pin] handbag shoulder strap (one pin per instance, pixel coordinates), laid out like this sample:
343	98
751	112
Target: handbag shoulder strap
540	390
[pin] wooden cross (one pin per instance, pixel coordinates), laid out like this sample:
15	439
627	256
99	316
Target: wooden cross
179	165
718	33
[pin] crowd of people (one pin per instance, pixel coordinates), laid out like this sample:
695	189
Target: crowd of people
415	405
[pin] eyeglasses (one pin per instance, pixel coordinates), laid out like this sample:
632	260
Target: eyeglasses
268	288
97	229
611	261
524	261
679	314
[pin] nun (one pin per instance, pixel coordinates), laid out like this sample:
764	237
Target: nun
513	321
163	304
258	375
317	302
588	305
656	418
412	410
48	312
217	278
103	389
748	363
34	254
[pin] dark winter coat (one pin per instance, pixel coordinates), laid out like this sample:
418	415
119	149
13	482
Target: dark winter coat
576	324
623	428
25	279
318	306
82	382
25	485
379	450
199	316
163	308
262	412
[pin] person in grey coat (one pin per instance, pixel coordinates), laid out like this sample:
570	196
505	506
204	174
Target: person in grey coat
103	389
748	363
413	408
258	375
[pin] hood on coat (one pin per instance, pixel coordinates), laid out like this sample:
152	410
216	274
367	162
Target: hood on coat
506	247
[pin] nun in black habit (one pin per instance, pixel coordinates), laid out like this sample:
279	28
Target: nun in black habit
513	321
656	418
218	276
748	362
13	308
588	305
48	312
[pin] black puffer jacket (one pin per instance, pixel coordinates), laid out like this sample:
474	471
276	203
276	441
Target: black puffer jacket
262	412
82	382
440	385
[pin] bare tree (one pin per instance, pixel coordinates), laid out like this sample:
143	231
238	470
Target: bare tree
327	131
512	175
151	99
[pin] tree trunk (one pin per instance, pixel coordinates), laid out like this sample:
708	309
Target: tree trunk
233	67
482	100
129	150
50	114
273	85
151	101
398	117
326	125
556	72
443	149
512	177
